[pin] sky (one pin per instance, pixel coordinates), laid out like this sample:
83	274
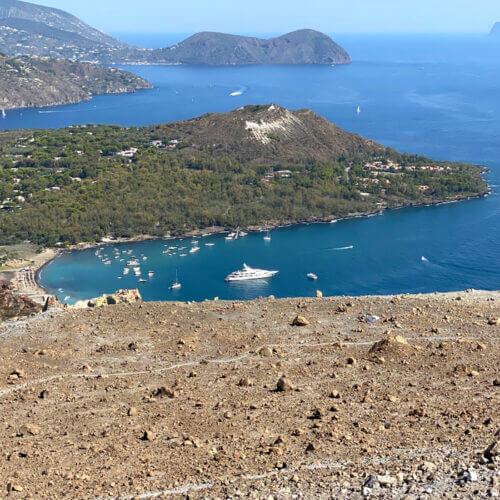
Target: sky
278	16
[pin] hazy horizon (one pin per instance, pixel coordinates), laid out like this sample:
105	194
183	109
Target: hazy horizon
280	16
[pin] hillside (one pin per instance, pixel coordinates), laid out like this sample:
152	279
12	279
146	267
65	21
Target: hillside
253	166
31	30
268	134
299	47
34	82
495	31
229	400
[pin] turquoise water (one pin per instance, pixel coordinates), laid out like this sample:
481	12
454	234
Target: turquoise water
437	96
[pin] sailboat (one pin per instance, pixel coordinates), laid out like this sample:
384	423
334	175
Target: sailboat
267	237
176	285
358	110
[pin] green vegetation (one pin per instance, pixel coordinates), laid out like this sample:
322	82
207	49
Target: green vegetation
71	185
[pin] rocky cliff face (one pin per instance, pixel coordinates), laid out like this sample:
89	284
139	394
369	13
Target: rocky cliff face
34	82
13	305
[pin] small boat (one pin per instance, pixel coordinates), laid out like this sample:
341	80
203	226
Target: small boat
209	244
133	263
142	280
249	273
358	110
126	270
194	249
183	255
176	285
267	237
231	236
144	258
242	233
151	273
312	276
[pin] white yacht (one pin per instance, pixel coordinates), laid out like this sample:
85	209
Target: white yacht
248	273
194	249
267	237
126	270
134	262
312	276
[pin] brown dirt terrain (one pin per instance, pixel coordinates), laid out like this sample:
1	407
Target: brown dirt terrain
158	400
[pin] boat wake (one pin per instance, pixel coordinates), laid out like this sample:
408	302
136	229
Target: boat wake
238	92
350	247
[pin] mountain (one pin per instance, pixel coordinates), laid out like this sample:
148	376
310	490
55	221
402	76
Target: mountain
299	47
27	29
35	82
495	31
268	134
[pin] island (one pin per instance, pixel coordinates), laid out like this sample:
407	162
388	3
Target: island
37	82
27	29
257	165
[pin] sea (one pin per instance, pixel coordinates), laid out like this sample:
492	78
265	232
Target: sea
428	94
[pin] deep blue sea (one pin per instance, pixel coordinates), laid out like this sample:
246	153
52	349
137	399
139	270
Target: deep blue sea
434	95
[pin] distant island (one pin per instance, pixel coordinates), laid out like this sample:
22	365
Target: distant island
299	47
257	165
27	29
36	82
495	31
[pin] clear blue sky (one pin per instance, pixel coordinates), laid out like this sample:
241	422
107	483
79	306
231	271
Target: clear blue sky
273	16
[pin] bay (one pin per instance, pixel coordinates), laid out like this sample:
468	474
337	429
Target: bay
433	95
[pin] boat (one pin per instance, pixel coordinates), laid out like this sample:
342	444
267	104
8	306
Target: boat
142	280
126	270
312	276
242	234
231	236
4	114
209	244
249	273
151	273
267	237
133	263
175	285
194	249
358	110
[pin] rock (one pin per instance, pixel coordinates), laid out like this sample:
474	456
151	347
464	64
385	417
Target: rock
44	394
245	382
311	447
334	394
284	384
148	436
132	412
30	429
14	487
494	321
387	480
166	392
427	467
266	352
491	452
352	361
127	296
319	294
17	373
300	321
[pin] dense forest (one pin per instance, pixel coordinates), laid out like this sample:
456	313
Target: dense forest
82	183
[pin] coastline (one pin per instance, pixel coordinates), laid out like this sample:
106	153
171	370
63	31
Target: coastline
215	230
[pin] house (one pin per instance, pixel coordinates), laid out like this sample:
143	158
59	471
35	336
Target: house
157	144
128	153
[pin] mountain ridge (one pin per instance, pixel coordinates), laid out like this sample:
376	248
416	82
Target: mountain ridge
32	30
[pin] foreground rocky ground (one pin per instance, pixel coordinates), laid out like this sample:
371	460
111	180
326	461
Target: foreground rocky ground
391	397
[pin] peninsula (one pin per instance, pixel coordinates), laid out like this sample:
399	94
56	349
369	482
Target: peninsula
37	82
29	29
253	166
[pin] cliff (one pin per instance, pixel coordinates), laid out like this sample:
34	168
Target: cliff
35	82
